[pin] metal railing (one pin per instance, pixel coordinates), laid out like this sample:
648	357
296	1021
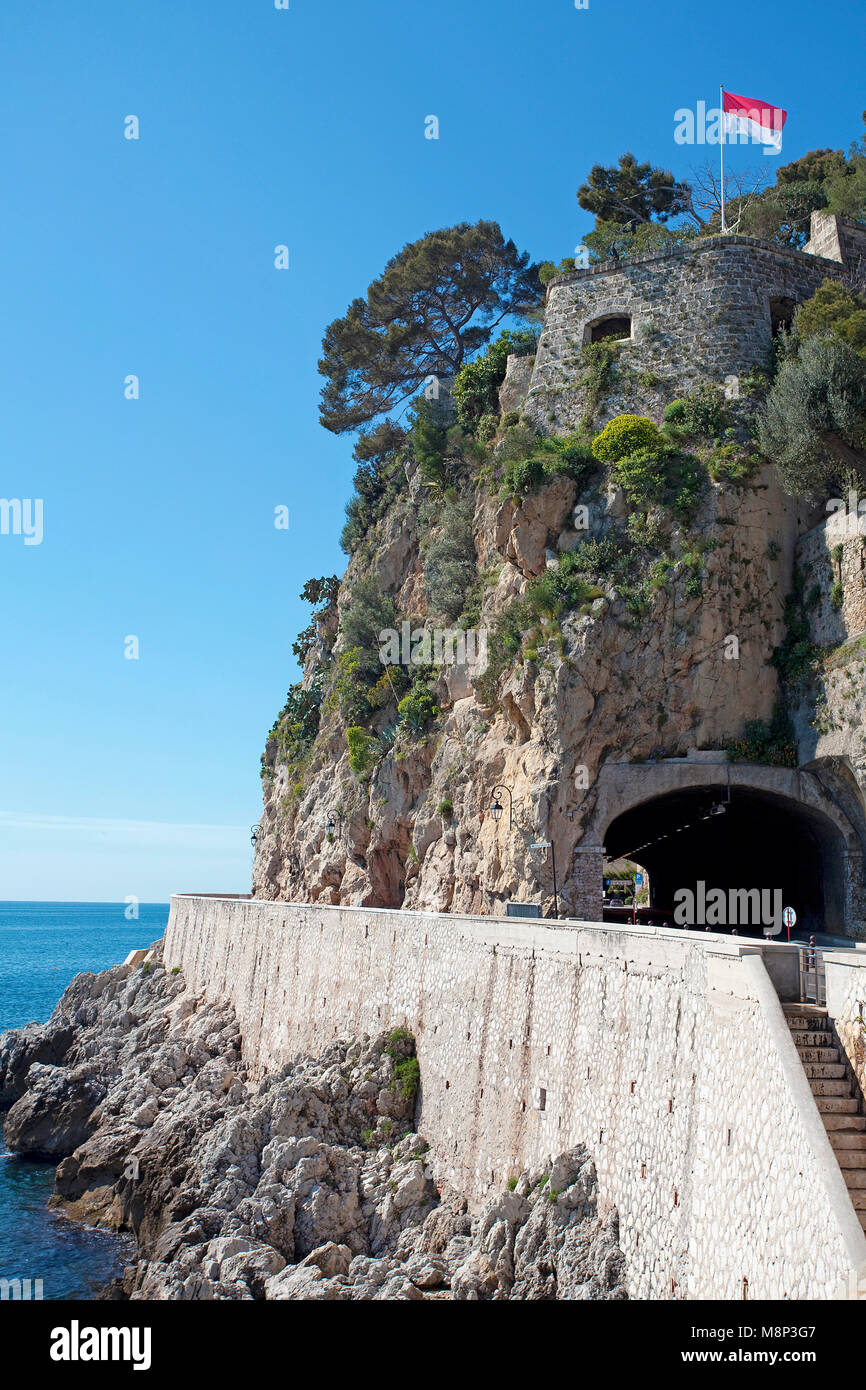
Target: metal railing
813	984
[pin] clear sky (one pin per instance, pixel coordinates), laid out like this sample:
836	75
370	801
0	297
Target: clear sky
155	257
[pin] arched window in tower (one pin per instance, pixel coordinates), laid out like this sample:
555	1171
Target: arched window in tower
608	326
781	315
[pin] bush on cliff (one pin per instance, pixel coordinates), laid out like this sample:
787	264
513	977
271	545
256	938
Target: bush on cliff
364	617
700	412
417	708
294	731
833	310
772	743
450	561
626	435
322	592
548	457
813	423
362	750
379	477
476	385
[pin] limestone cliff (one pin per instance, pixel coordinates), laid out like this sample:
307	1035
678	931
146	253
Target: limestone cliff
618	684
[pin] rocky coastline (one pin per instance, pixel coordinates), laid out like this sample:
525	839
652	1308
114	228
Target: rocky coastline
309	1183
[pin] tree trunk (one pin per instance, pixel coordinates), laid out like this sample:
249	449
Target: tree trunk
854	458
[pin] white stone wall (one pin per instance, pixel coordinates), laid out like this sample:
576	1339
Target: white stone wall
656	1049
846	1005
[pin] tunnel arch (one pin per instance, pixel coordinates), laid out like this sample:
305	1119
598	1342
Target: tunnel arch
779	829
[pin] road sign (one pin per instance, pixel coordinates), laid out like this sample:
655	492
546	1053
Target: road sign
638	880
542	844
789	916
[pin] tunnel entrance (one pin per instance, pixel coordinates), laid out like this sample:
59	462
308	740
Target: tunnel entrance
734	838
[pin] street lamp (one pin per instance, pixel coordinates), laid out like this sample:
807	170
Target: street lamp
496	807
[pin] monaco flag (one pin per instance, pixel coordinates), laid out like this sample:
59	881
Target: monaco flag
752	120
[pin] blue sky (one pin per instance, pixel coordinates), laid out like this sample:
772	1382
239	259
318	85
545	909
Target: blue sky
154	257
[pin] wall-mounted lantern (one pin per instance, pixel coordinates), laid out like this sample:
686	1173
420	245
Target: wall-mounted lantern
496	807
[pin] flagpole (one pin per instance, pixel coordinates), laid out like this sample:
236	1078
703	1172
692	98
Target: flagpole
722	147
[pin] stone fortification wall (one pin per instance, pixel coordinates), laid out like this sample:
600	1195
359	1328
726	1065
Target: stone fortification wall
666	1053
702	311
832	558
830	712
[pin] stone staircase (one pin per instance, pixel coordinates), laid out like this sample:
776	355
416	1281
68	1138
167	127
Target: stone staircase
837	1095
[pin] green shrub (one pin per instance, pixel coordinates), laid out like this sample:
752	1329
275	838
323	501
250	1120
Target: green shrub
417	708
487	428
731	462
837	595
546	458
379	453
796	656
449	560
362	750
445	809
407	1075
560	588
675	413
641	475
476	386
694	586
368	611
836	310
771	743
429	441
701	412
503	647
294	730
662	476
353	686
599	363
626	435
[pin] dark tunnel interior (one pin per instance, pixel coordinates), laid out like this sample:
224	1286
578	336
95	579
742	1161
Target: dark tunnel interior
756	841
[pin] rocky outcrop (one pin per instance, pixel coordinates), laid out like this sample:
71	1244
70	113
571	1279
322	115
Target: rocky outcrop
22	1047
309	1184
417	833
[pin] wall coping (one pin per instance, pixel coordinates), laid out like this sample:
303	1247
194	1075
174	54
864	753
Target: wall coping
562	934
711	243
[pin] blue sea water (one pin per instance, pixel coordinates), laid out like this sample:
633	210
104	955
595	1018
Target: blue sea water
42	947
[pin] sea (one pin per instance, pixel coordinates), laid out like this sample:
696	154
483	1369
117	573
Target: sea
42	947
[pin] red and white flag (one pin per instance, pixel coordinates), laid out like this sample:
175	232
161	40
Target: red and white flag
752	120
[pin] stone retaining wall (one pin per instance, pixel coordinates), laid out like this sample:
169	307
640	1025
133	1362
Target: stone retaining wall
659	1050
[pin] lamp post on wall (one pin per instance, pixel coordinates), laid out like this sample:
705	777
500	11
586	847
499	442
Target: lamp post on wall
335	819
496	807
